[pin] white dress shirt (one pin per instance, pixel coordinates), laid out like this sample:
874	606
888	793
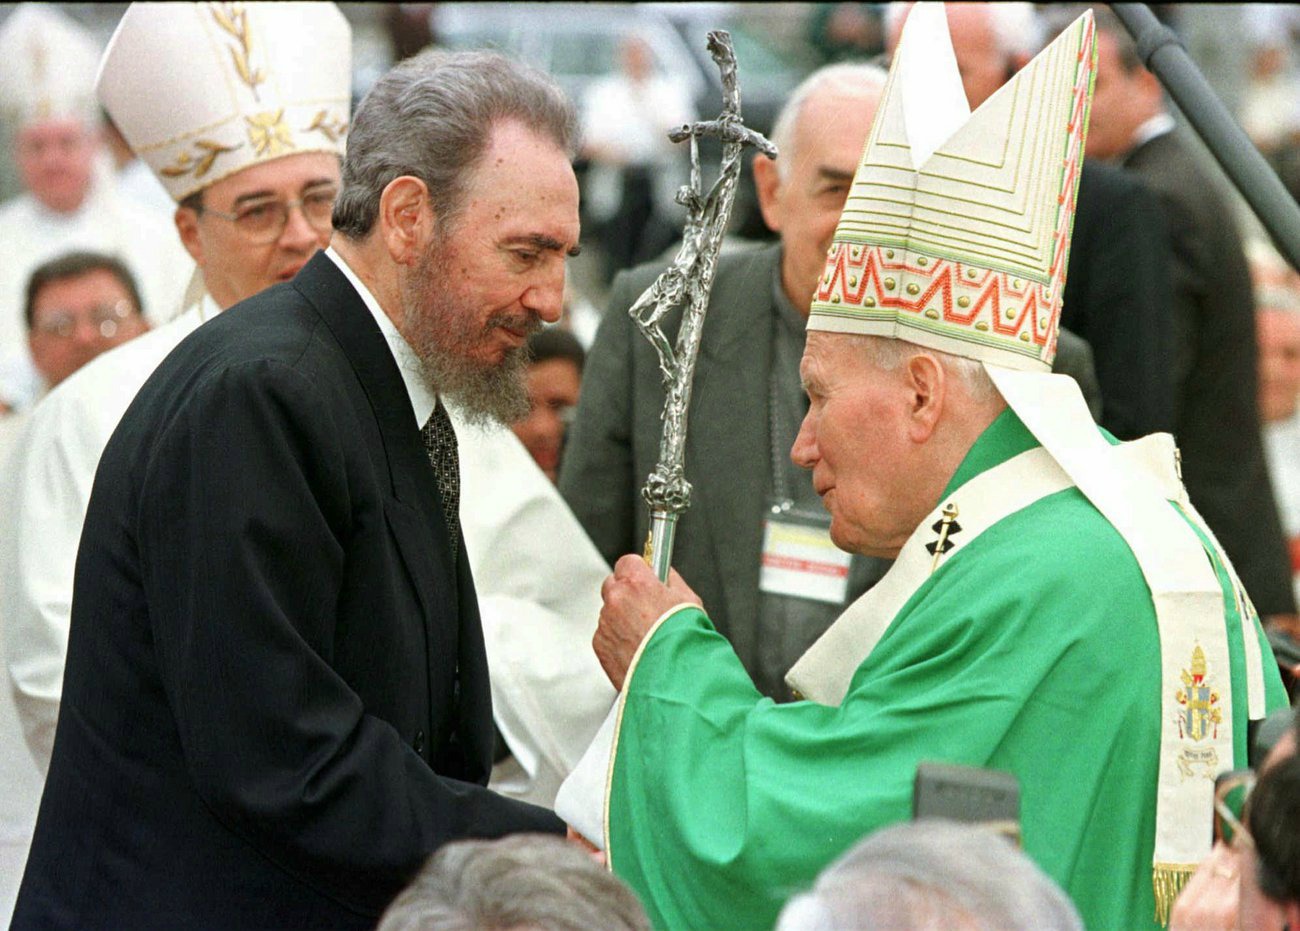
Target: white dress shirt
537	576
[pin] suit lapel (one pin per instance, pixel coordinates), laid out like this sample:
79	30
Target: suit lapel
416	516
731	427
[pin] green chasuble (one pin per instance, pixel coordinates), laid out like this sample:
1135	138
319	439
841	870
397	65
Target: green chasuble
1034	650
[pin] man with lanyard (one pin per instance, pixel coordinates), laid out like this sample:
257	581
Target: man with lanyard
1047	586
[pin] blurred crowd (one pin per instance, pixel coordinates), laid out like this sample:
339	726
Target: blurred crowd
1185	318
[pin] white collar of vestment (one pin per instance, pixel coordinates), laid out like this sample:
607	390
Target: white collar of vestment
423	399
1157	125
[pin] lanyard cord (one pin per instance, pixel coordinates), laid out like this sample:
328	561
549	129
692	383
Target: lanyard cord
780	488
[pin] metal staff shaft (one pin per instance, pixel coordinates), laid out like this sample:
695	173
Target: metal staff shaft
1166	58
686	283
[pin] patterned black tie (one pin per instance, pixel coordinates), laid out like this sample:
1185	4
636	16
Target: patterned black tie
440	442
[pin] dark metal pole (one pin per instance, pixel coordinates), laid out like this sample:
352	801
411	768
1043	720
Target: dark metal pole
1166	58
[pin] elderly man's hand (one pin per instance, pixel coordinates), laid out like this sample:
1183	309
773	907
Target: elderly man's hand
634	599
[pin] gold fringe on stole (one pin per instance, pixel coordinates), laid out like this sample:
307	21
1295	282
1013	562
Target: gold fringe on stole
1168	880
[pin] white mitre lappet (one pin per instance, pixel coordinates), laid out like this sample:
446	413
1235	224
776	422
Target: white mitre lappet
47	67
203	90
955	236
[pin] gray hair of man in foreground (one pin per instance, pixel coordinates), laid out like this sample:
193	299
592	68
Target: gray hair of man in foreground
932	874
524	881
431	117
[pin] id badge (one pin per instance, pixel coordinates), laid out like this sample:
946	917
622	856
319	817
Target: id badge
799	558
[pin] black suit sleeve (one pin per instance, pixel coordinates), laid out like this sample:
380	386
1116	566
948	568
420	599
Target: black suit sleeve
244	513
1074	358
597	476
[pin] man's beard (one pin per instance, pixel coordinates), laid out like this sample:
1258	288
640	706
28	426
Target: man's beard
435	327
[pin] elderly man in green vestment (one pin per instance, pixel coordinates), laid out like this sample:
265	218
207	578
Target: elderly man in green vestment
1056	608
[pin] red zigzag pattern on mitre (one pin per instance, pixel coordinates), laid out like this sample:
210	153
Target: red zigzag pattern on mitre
853	280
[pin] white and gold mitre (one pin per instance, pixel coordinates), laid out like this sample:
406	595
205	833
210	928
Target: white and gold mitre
956	231
47	67
202	90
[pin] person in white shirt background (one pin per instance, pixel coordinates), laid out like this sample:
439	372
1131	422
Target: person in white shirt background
47	73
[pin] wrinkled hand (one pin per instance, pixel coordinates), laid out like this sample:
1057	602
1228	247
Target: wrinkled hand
634	599
1210	900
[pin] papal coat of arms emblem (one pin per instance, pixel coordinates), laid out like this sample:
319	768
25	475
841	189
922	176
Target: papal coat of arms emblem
1198	716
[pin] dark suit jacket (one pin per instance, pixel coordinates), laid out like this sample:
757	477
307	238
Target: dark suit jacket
276	697
1119	297
1214	362
614	441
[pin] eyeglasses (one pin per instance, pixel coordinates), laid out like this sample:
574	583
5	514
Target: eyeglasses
263	221
1231	799
106	319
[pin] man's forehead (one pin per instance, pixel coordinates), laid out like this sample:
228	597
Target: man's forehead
45	129
820	351
90	285
832	129
525	186
288	175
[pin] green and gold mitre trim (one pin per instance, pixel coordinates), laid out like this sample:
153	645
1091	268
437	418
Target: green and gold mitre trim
956	231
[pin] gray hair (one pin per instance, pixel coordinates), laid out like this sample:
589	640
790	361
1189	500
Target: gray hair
889	354
854	80
932	874
431	117
1017	27
525	880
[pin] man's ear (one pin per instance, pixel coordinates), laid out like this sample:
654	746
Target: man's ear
767	183
1149	84
187	226
405	219
927	387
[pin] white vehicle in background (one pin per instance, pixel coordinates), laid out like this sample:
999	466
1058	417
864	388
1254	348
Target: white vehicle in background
578	43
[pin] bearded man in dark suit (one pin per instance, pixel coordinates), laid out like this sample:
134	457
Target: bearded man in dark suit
276	700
